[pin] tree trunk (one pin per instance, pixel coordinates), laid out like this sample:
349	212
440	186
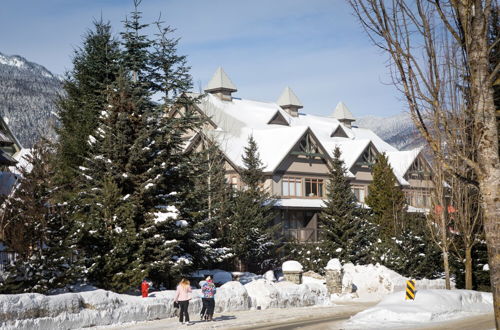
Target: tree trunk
477	50
468	268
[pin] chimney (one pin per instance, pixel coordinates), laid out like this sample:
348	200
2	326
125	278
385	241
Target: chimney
221	86
289	102
342	114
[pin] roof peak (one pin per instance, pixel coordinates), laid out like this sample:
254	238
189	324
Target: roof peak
220	81
341	112
288	97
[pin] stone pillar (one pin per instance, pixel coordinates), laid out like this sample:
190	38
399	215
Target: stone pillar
292	271
334	281
333	275
292	276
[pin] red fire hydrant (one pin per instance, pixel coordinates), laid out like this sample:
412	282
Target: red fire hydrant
145	289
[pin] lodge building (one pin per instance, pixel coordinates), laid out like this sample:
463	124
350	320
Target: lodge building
296	149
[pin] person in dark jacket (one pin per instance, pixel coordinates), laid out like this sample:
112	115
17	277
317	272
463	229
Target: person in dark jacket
208	291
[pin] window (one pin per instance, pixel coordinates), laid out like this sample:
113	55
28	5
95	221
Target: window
234	183
360	193
314	187
418	170
292	186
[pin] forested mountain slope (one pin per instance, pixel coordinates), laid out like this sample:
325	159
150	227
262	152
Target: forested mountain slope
28	93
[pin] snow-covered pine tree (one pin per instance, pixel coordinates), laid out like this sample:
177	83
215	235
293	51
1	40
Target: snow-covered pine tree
95	66
207	205
252	233
386	199
345	234
38	230
412	253
108	206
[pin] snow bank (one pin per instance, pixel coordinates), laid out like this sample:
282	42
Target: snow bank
428	306
100	307
291	266
232	296
265	294
376	281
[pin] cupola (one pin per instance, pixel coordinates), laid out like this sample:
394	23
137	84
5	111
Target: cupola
289	102
221	86
342	114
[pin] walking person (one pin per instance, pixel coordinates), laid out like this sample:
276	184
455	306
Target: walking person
182	296
208	291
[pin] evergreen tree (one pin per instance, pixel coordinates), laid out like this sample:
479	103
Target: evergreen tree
252	234
344	233
386	199
107	207
207	204
38	230
95	66
411	253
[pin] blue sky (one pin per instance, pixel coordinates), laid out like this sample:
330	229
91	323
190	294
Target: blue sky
314	46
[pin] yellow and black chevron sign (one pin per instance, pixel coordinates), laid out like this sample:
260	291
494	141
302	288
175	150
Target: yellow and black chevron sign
410	289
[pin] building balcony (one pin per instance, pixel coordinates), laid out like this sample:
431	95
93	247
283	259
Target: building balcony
301	235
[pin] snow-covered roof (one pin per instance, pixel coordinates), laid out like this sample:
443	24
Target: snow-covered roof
288	97
300	202
401	161
238	119
220	80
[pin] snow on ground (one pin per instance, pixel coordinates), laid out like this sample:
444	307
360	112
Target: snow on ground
100	307
376	281
428	306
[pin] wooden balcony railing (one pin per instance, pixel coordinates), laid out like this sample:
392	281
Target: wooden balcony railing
301	235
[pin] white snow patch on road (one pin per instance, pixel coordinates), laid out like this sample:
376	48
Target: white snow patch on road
428	306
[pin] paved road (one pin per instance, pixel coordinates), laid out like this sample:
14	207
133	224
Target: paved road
304	318
290	318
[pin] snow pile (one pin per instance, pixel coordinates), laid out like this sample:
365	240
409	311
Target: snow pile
428	306
100	307
269	275
376	281
334	264
77	310
264	294
291	266
232	296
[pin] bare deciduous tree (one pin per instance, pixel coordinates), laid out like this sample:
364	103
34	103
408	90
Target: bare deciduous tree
418	36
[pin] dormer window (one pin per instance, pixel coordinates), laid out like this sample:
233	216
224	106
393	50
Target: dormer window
278	119
339	132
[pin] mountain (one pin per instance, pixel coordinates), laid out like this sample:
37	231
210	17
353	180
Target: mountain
398	130
28	92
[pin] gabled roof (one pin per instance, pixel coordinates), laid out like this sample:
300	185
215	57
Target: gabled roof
341	112
220	81
239	119
288	97
401	161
